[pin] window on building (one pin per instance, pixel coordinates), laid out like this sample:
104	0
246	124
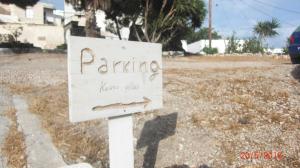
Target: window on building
29	12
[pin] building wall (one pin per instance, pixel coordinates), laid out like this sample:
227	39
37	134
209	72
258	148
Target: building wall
4	9
72	15
198	46
38	12
43	36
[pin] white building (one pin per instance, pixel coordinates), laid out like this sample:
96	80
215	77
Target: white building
102	23
275	51
198	46
40	24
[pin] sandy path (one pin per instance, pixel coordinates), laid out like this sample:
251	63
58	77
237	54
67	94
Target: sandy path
5	103
40	150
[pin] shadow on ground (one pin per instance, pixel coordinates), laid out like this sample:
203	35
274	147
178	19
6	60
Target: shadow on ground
153	132
296	73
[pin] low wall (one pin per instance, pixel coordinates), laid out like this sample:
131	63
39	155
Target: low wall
275	56
19	50
7	51
43	36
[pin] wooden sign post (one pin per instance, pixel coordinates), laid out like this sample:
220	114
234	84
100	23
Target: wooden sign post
114	79
121	142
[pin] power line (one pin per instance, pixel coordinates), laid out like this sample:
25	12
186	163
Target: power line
277	7
243	14
229	21
265	13
226	16
245	28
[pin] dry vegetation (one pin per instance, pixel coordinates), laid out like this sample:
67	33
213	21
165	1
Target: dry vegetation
231	109
243	105
227	58
14	147
76	142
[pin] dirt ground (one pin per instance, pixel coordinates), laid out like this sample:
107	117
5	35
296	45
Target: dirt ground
218	112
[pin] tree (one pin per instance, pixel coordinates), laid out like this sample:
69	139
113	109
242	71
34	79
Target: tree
163	20
123	13
20	3
233	44
202	33
90	7
252	45
149	20
266	29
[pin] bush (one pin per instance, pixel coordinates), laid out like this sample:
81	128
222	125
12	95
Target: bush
16	45
208	50
233	45
62	47
253	45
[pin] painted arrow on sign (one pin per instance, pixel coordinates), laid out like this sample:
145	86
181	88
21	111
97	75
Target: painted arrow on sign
145	102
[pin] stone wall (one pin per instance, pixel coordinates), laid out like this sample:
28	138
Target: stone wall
43	36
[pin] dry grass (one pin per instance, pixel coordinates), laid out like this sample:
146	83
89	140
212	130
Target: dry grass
201	73
245	119
254	101
14	146
198	118
20	88
275	118
234	128
75	141
293	161
245	100
231	59
230	154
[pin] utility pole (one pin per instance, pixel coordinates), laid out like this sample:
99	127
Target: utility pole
209	21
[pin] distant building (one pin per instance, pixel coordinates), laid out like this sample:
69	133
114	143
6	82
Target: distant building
275	51
198	46
75	23
41	24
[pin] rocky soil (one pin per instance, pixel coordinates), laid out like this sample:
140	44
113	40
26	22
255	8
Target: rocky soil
218	112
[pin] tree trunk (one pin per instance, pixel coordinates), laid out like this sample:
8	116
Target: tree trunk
261	44
90	22
118	28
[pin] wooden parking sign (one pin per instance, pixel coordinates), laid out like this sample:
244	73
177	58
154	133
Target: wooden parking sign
109	78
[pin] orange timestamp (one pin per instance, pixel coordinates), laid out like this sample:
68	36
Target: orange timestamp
266	155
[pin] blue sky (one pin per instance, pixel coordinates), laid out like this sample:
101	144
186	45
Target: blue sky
59	4
241	16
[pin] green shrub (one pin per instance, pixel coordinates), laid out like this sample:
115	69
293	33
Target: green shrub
253	45
233	45
62	47
16	45
208	50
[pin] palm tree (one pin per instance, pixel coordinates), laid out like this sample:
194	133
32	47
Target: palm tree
90	7
266	29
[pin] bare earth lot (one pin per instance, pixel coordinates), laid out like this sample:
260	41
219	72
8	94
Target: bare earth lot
218	112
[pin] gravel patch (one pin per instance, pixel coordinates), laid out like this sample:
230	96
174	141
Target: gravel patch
213	111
